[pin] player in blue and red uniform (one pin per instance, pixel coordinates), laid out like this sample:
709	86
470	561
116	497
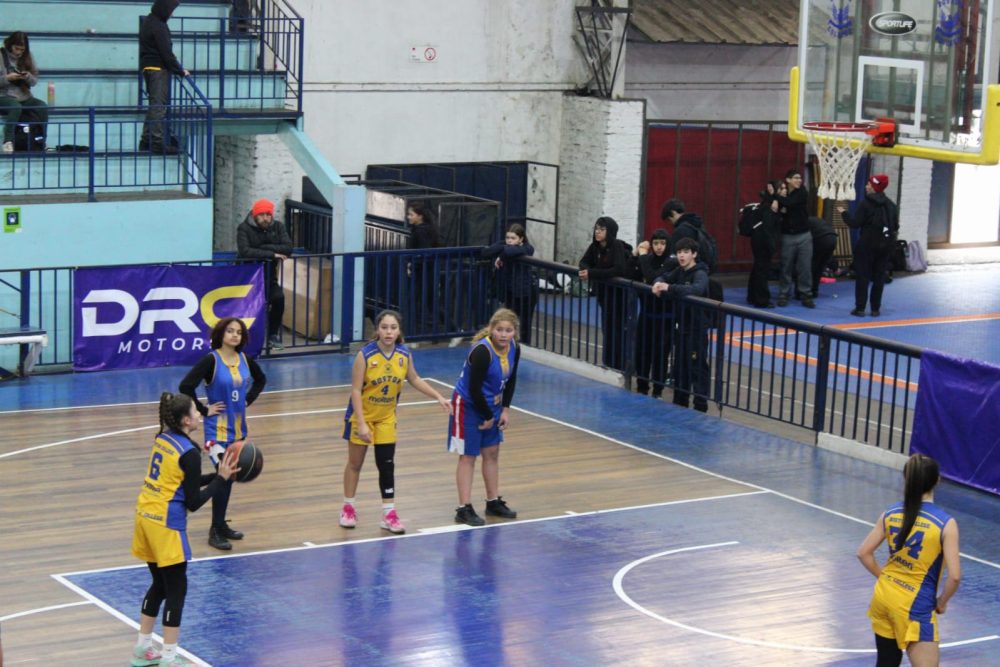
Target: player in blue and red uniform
922	538
481	412
370	421
173	487
226	372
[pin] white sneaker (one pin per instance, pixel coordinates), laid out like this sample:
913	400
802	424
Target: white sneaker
8	147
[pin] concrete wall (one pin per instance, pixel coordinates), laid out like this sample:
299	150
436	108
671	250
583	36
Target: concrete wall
710	81
601	170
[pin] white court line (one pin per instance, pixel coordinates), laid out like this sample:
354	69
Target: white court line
41	610
619	589
122	405
122	617
145	428
428	531
713	474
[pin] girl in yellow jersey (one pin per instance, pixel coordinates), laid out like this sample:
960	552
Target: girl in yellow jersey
376	382
173	487
922	538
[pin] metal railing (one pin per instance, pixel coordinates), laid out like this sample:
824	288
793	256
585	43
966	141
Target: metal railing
257	60
812	376
95	149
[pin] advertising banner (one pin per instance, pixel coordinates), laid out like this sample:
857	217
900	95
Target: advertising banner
145	316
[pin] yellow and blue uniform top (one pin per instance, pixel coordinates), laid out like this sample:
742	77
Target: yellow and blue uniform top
229	384
383	382
910	577
161	499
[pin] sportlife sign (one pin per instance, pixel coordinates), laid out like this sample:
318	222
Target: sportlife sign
893	24
145	316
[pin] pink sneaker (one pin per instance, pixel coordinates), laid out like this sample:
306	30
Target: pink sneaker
145	657
348	517
392	523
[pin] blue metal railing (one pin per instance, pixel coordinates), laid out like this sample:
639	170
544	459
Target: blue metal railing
92	149
257	61
811	376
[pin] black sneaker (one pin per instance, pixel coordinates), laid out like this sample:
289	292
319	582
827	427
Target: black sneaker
218	541
858	312
225	531
876	313
499	508
467	515
808	303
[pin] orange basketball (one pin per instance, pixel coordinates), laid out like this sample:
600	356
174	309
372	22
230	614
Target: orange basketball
248	458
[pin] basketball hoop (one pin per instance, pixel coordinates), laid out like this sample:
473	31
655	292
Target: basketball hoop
839	148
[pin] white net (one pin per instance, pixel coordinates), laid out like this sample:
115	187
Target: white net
839	154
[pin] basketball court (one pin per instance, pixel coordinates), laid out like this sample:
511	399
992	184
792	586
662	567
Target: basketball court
647	534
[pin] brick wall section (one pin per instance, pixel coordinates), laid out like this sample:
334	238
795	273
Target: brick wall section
248	169
600	170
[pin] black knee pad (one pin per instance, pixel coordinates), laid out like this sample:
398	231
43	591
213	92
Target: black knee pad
384	461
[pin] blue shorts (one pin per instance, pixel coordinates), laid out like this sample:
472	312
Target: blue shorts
464	436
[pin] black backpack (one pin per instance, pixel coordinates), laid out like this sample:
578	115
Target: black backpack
751	216
708	249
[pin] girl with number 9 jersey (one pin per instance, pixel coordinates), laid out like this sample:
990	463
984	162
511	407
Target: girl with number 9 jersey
226	372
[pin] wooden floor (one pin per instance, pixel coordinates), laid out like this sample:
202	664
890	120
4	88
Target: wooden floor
67	503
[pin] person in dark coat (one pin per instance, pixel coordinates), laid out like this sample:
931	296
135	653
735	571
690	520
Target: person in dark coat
516	280
685	223
262	237
764	243
157	62
606	258
423	236
878	219
796	243
691	371
652	343
824	243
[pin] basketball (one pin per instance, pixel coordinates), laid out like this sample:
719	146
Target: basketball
249	460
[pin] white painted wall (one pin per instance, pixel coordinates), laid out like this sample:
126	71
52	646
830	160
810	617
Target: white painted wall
493	91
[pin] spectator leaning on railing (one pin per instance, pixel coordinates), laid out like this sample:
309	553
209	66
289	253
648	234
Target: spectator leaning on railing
262	237
157	61
18	74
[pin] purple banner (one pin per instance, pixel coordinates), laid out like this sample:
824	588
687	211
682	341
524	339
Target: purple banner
144	316
956	418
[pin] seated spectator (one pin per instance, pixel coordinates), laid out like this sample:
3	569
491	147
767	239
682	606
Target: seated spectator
262	237
18	74
518	287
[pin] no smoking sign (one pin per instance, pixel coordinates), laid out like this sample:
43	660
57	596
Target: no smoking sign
423	54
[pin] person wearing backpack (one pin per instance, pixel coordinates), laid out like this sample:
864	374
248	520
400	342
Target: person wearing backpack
763	242
796	243
691	226
824	245
605	258
878	219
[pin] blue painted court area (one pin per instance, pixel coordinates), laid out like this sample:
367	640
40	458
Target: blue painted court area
655	585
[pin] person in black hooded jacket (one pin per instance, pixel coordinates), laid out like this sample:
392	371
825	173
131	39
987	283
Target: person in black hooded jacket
763	244
652	343
157	62
878	219
518	286
688	277
606	258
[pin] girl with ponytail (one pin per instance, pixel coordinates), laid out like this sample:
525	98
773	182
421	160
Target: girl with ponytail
173	487
922	538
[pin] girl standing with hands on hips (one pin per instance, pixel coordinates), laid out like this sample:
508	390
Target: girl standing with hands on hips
480	414
226	372
376	382
922	538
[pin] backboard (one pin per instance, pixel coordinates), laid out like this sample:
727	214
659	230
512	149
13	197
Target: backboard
927	64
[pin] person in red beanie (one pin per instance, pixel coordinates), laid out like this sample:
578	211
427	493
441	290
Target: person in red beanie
262	237
878	219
